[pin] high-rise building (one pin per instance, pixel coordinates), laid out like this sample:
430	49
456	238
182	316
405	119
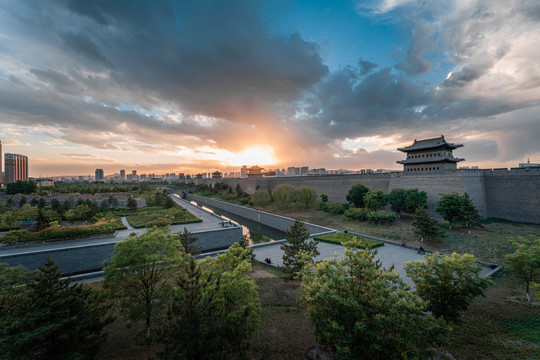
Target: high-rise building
122	174
99	174
1	162
16	166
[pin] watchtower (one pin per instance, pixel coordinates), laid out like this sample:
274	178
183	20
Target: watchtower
429	155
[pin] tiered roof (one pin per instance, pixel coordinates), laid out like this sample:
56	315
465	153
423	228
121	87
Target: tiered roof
434	143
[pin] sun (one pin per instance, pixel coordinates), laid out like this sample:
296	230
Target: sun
258	155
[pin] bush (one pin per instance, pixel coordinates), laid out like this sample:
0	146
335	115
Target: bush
342	238
15	237
334	208
371	216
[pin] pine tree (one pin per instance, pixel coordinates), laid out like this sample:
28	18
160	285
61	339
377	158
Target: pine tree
469	214
188	242
297	249
54	320
424	226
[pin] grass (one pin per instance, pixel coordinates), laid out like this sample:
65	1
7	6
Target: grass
154	215
342	238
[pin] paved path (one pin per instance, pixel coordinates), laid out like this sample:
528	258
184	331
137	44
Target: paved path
388	254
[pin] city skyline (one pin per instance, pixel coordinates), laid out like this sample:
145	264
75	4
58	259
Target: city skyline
193	87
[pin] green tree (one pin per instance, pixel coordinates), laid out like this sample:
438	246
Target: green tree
449	207
57	206
104	206
469	214
54	319
363	311
12	285
21	187
374	200
356	195
424	226
215	309
239	191
188	240
169	203
396	198
283	196
305	197
83	212
448	283
261	198
524	263
42	203
132	204
298	249
414	199
137	274
324	198
42	220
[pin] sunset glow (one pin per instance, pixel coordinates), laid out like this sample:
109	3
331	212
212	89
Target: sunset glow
260	155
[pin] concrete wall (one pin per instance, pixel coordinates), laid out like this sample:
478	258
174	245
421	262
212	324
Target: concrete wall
277	222
85	258
505	194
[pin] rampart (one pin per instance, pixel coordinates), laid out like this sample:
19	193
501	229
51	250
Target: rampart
497	193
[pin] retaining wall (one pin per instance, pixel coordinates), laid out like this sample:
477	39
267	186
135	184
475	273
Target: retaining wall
276	221
90	257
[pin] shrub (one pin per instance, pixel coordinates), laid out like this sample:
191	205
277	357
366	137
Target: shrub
362	214
334	208
342	238
14	237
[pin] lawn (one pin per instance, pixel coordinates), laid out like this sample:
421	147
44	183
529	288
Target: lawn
156	215
342	238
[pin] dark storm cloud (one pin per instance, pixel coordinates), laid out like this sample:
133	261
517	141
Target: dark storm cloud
414	62
83	45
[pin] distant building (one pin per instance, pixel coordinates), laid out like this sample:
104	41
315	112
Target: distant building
304	170
244	171
528	164
217	175
16	166
430	155
293	170
255	171
122	174
99	174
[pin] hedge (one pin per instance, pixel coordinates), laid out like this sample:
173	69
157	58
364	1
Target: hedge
375	217
19	237
341	238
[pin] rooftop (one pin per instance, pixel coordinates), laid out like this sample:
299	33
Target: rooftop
429	144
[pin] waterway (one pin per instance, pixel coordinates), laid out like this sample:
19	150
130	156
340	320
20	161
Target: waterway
255	231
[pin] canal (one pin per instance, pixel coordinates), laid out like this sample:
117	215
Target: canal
255	231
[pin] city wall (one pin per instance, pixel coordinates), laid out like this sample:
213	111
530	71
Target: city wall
499	193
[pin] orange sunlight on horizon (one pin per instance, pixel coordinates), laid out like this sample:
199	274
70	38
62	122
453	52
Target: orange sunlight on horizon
258	155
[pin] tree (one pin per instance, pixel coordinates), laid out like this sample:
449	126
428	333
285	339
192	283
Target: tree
22	201
188	240
424	226
414	199
305	197
83	212
54	319
448	283
137	274
42	203
57	206
469	214
21	187
12	283
449	207
298	250
132	204
324	198
374	200
215	309
283	195
363	311
356	195
261	198
42	220
239	191
169	203
396	198
524	263
104	206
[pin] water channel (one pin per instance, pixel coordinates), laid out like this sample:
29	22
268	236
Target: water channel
255	231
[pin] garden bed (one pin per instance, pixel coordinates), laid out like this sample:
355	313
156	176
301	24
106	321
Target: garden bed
157	216
342	238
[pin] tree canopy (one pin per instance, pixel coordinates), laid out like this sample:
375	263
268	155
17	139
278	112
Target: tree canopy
363	311
53	319
21	187
424	226
447	283
283	195
137	274
261	198
375	199
356	195
524	262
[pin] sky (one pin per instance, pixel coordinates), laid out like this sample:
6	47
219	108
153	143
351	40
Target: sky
189	86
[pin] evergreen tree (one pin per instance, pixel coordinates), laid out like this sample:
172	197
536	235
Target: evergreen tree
215	309
424	226
169	203
449	207
42	203
469	214
42	220
188	240
54	320
132	204
298	250
396	198
239	191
